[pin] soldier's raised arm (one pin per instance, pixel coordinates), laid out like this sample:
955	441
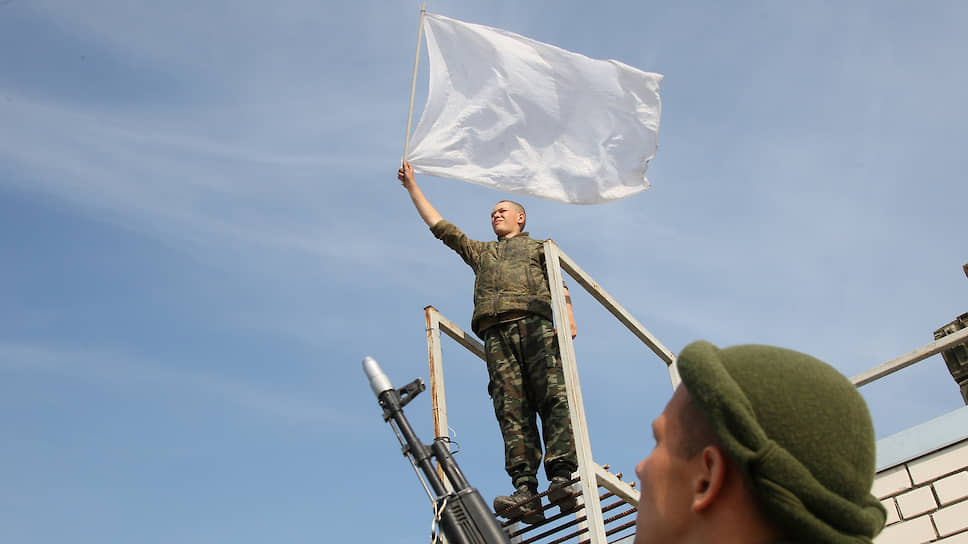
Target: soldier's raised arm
424	207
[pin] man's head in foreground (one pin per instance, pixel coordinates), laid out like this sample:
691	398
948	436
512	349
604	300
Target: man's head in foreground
759	444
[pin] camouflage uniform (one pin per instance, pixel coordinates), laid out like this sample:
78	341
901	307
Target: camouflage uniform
512	314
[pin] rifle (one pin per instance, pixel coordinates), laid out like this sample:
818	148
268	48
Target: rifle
462	513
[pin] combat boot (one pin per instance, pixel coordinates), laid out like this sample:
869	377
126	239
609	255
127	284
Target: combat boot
524	503
562	493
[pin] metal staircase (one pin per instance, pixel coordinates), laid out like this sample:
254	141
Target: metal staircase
594	521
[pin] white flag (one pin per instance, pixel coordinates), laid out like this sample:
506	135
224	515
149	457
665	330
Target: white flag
527	117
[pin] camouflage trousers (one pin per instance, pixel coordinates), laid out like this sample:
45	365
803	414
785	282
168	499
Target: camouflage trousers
526	382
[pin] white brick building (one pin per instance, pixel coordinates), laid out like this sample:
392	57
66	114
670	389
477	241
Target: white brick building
922	480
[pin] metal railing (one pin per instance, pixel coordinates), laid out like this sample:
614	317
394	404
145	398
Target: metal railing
592	526
910	358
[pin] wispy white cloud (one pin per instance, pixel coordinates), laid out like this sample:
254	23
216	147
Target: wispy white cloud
177	183
109	368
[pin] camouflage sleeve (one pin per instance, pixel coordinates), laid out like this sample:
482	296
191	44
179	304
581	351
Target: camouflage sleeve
454	238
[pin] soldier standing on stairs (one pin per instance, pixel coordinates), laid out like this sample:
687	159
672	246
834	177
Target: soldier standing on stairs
512	314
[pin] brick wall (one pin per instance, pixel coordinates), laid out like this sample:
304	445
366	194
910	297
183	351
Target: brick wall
926	498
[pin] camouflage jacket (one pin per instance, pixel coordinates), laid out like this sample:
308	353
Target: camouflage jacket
510	273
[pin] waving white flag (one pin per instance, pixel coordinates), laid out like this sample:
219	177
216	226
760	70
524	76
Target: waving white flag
527	117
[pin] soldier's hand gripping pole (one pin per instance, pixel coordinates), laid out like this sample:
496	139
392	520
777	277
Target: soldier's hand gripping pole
465	518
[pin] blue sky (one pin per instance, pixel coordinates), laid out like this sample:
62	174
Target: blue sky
202	236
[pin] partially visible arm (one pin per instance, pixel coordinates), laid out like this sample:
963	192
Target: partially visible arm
424	207
571	315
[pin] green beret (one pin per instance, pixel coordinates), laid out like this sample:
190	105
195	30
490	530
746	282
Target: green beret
798	429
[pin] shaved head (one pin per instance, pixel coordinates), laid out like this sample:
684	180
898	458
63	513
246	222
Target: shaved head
517	208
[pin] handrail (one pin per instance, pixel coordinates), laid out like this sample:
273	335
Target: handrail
591	474
909	359
589	471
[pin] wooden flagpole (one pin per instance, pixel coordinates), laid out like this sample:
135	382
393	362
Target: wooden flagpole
413	84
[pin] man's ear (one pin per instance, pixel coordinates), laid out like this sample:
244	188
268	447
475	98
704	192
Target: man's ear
709	477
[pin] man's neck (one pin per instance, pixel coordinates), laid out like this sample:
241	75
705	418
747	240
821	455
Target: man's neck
511	235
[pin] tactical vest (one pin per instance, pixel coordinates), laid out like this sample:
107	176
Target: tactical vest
510	273
511	277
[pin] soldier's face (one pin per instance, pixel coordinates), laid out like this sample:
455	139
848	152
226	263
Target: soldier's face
505	219
664	497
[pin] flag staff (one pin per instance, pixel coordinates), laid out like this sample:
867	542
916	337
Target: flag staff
413	84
